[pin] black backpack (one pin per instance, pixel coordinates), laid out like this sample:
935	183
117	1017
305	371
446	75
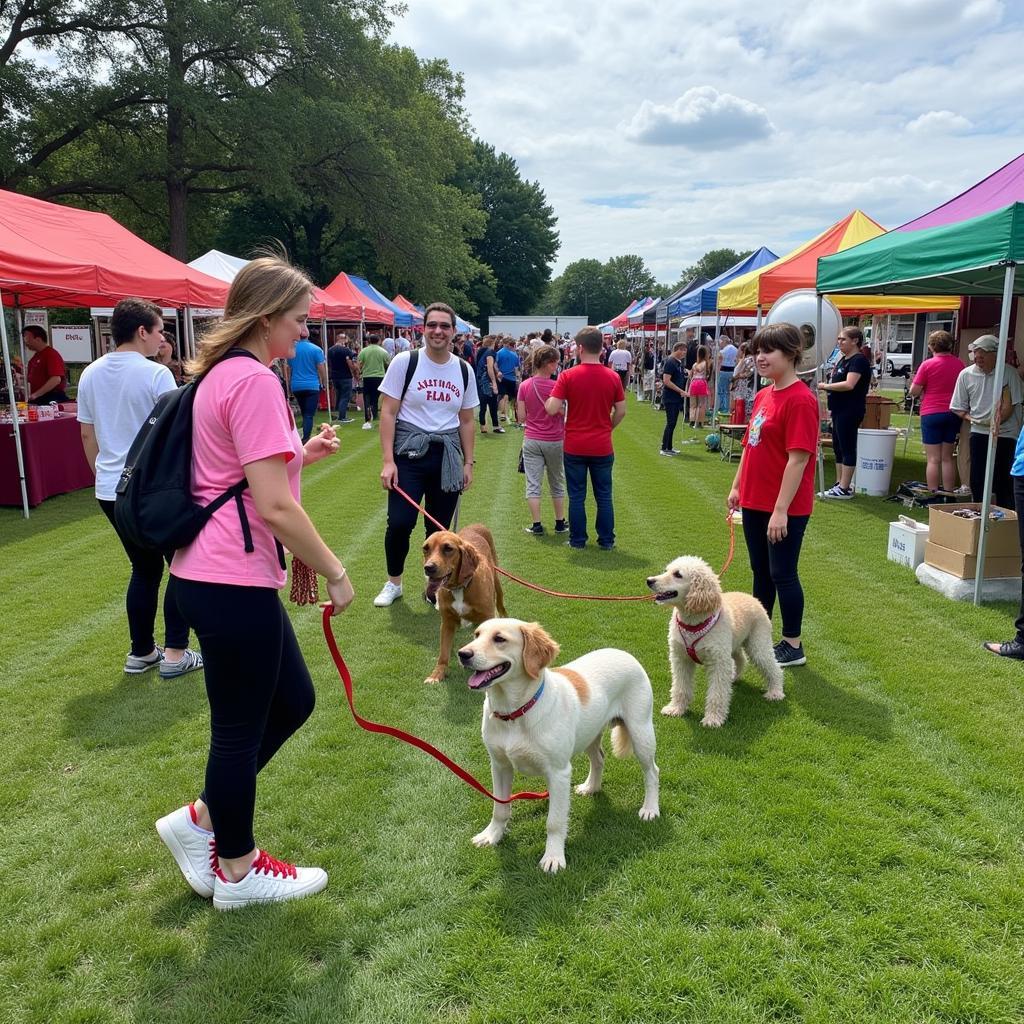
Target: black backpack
154	508
410	371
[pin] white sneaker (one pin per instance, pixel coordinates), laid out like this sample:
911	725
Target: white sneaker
388	596
192	847
269	881
367	425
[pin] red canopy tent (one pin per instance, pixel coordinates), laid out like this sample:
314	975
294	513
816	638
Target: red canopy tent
344	291
403	303
327	307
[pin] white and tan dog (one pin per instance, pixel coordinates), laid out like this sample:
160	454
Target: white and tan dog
536	719
716	630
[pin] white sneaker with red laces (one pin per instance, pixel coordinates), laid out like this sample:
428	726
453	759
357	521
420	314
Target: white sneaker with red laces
269	881
192	847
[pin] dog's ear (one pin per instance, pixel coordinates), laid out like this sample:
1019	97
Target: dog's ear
539	650
704	594
468	562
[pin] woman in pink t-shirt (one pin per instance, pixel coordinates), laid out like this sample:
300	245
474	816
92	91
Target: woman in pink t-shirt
542	439
935	381
228	580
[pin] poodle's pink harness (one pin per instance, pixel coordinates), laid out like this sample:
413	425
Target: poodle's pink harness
692	635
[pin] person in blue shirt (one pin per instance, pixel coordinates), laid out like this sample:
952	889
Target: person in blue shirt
508	366
1014	648
307	374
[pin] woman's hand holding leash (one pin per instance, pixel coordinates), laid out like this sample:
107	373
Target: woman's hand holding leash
733	500
341	593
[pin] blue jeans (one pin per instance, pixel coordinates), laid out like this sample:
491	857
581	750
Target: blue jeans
722	390
600	469
342	395
308	402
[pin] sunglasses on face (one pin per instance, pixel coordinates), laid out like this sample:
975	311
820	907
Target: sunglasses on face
436	326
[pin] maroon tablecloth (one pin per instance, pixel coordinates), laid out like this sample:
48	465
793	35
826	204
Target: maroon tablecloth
54	460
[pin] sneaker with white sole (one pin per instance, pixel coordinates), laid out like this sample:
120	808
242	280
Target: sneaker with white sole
135	665
190	661
367	425
789	656
835	491
269	881
390	593
193	848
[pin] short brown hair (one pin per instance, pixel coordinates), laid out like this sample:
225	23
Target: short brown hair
677	346
544	355
131	314
940	341
590	340
784	338
855	333
441	307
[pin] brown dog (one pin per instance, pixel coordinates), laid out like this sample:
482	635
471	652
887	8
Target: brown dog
460	571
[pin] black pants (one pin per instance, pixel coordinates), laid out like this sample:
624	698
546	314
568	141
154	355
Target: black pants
260	692
489	402
1018	499
844	436
775	567
143	594
419	478
371	385
672	410
1002	482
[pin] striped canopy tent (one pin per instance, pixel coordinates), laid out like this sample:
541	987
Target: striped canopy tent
761	288
704	297
343	290
642	318
404	304
621	322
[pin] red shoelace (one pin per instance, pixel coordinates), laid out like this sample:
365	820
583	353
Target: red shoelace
272	866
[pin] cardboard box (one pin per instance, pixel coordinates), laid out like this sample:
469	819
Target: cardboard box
965	567
907	539
948	531
878	413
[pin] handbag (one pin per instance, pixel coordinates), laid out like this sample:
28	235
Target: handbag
522	467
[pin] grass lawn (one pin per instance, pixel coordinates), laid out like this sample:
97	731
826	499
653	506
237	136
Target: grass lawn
851	854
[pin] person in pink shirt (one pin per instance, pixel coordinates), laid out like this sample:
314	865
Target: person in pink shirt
228	578
935	381
542	439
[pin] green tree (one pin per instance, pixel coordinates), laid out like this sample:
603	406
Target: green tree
520	242
627	278
713	263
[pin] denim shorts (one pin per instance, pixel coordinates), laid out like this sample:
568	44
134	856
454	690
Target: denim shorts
940	427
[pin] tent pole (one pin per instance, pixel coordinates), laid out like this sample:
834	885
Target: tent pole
715	349
990	460
19	326
819	376
14	406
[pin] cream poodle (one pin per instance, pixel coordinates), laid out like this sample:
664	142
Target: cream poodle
716	630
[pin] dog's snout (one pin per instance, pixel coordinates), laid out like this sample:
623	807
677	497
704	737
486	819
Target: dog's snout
466	655
429	568
651	581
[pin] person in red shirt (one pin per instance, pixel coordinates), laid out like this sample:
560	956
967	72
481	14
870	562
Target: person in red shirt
46	373
597	405
774	483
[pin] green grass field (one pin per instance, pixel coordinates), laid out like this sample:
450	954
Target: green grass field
851	854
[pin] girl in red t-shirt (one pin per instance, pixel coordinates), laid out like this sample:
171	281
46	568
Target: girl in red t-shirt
774	484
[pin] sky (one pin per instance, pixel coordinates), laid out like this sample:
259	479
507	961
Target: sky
667	129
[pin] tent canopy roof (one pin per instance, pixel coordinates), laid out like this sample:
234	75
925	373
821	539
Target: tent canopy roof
623	318
704	297
637	316
53	255
343	290
404	304
400	317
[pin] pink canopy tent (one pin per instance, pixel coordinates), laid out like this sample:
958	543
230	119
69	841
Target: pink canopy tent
343	290
403	303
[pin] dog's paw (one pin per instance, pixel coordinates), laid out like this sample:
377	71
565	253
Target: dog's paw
713	721
552	863
774	695
435	678
649	813
490	836
584	790
674	710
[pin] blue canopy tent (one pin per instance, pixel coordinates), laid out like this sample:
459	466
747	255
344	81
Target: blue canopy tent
403	318
704	298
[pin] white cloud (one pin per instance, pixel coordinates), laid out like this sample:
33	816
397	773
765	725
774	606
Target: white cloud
702	117
939	122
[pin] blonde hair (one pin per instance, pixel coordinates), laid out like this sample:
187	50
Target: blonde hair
264	288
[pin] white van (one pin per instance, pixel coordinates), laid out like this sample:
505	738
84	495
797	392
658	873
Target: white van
899	358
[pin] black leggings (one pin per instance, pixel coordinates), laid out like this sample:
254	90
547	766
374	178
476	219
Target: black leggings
419	478
775	567
143	594
844	436
672	410
489	402
260	692
371	386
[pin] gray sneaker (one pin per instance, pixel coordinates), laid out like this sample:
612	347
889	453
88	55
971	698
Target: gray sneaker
135	666
190	661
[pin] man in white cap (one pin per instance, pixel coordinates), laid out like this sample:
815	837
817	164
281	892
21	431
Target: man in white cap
973	401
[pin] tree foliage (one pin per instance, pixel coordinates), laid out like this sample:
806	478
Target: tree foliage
713	263
598	290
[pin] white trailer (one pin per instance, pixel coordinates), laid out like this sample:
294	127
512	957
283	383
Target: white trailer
517	326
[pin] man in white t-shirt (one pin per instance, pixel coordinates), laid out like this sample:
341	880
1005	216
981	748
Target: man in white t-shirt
402	343
115	396
620	359
426	439
388	344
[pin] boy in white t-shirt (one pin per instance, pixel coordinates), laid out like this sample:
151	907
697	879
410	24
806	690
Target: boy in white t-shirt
426	439
115	395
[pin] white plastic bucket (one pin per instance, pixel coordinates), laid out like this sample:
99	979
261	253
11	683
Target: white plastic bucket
876	452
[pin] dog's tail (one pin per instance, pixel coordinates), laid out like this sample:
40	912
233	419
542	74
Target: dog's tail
622	742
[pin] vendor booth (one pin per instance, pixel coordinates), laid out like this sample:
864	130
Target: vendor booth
970	245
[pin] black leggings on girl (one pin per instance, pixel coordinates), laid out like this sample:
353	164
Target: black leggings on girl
259	690
775	567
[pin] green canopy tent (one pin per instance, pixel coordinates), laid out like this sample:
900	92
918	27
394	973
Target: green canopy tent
970	245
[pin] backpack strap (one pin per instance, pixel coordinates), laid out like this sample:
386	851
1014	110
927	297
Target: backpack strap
410	371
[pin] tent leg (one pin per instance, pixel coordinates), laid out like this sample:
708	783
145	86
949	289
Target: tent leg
819	376
14	409
990	460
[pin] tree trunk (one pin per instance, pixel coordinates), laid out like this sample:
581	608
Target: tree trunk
177	189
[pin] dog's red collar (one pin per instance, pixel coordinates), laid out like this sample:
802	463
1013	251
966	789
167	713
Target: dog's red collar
519	712
692	635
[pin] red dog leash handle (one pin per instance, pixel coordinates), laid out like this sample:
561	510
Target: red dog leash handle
399	734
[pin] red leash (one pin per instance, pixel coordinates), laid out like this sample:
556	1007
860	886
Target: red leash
406	737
